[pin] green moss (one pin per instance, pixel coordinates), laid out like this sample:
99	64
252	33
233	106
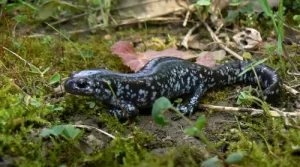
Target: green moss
213	96
263	148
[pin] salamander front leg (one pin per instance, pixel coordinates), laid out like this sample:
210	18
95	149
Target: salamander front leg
189	108
124	110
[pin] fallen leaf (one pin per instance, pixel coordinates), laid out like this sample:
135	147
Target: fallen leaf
128	55
136	60
249	39
206	59
218	55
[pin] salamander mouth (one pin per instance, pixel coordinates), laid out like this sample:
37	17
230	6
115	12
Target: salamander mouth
81	86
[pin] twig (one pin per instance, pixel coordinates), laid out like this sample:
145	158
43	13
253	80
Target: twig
216	39
291	90
285	118
99	130
122	23
251	110
134	21
79	51
295	86
185	40
25	61
186	18
290	73
66	19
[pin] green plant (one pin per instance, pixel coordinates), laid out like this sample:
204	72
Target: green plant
246	97
68	132
62	34
105	6
163	104
278	29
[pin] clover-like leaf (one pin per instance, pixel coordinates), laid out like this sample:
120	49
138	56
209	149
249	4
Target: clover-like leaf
71	132
158	109
212	162
200	123
191	131
235	158
55	78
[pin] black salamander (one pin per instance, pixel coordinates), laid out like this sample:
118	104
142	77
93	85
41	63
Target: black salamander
169	77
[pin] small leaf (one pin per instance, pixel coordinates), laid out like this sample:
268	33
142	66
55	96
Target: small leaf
34	69
270	48
47	69
244	96
59	108
46	39
235	3
71	132
55	131
200	123
96	2
296	17
17	44
89	53
35	103
235	158
47	132
20	18
58	129
55	78
203	2
91	104
49	106
159	107
192	131
178	100
247	55
212	162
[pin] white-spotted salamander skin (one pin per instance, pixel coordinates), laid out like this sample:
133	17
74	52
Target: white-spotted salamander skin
169	77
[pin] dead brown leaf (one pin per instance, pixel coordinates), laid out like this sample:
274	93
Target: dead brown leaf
136	60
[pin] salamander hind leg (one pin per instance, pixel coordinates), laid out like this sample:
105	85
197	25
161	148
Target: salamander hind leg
124	111
189	108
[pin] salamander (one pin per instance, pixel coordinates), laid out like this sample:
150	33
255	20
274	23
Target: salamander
170	77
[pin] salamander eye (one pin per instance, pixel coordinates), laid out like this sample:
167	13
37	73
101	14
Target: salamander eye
82	83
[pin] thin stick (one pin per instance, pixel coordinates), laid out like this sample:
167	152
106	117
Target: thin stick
285	118
295	74
186	18
67	19
251	110
216	39
185	40
21	58
122	23
99	130
290	90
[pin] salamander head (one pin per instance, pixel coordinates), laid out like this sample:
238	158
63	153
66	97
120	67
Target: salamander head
85	83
